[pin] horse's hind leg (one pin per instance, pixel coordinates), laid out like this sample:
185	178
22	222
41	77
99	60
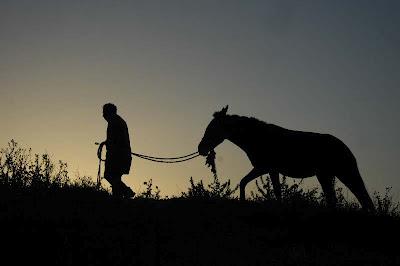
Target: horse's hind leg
250	176
328	187
356	185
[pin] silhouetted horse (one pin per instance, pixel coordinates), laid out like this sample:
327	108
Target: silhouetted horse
276	150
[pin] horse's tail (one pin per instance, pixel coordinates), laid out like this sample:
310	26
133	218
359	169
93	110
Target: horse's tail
349	174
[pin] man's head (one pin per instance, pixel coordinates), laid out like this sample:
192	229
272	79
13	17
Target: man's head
109	110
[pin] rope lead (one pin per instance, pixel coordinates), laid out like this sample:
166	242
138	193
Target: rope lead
145	157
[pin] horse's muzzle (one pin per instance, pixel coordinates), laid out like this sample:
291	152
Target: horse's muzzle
202	150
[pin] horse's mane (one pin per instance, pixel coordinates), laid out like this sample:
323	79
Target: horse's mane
249	122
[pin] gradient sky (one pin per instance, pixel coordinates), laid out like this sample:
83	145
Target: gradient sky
323	66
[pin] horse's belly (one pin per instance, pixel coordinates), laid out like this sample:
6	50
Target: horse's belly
297	173
298	168
297	162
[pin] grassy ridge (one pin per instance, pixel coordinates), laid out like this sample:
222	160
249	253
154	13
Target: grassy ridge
74	228
47	218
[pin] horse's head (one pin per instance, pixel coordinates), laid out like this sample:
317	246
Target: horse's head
215	133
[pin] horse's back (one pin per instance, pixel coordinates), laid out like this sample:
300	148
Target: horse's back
300	153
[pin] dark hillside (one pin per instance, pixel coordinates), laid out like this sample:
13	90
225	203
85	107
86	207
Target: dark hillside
76	228
48	219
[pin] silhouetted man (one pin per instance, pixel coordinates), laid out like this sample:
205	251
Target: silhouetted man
118	157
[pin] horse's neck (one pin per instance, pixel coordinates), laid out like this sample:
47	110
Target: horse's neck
239	134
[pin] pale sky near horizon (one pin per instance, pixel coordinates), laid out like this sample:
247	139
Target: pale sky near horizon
323	66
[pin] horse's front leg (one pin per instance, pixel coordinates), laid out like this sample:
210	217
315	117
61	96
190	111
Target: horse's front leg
250	176
276	185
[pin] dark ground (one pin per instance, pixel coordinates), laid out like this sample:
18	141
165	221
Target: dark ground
80	229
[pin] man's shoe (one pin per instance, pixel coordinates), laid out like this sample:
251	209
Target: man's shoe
129	193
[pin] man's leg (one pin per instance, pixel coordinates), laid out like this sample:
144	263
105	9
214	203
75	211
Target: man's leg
126	191
116	186
115	181
119	189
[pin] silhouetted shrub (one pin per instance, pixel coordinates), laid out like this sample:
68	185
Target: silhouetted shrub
16	168
215	190
150	192
291	193
385	204
20	169
84	181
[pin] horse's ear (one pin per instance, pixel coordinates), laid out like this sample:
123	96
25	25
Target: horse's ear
225	109
222	112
